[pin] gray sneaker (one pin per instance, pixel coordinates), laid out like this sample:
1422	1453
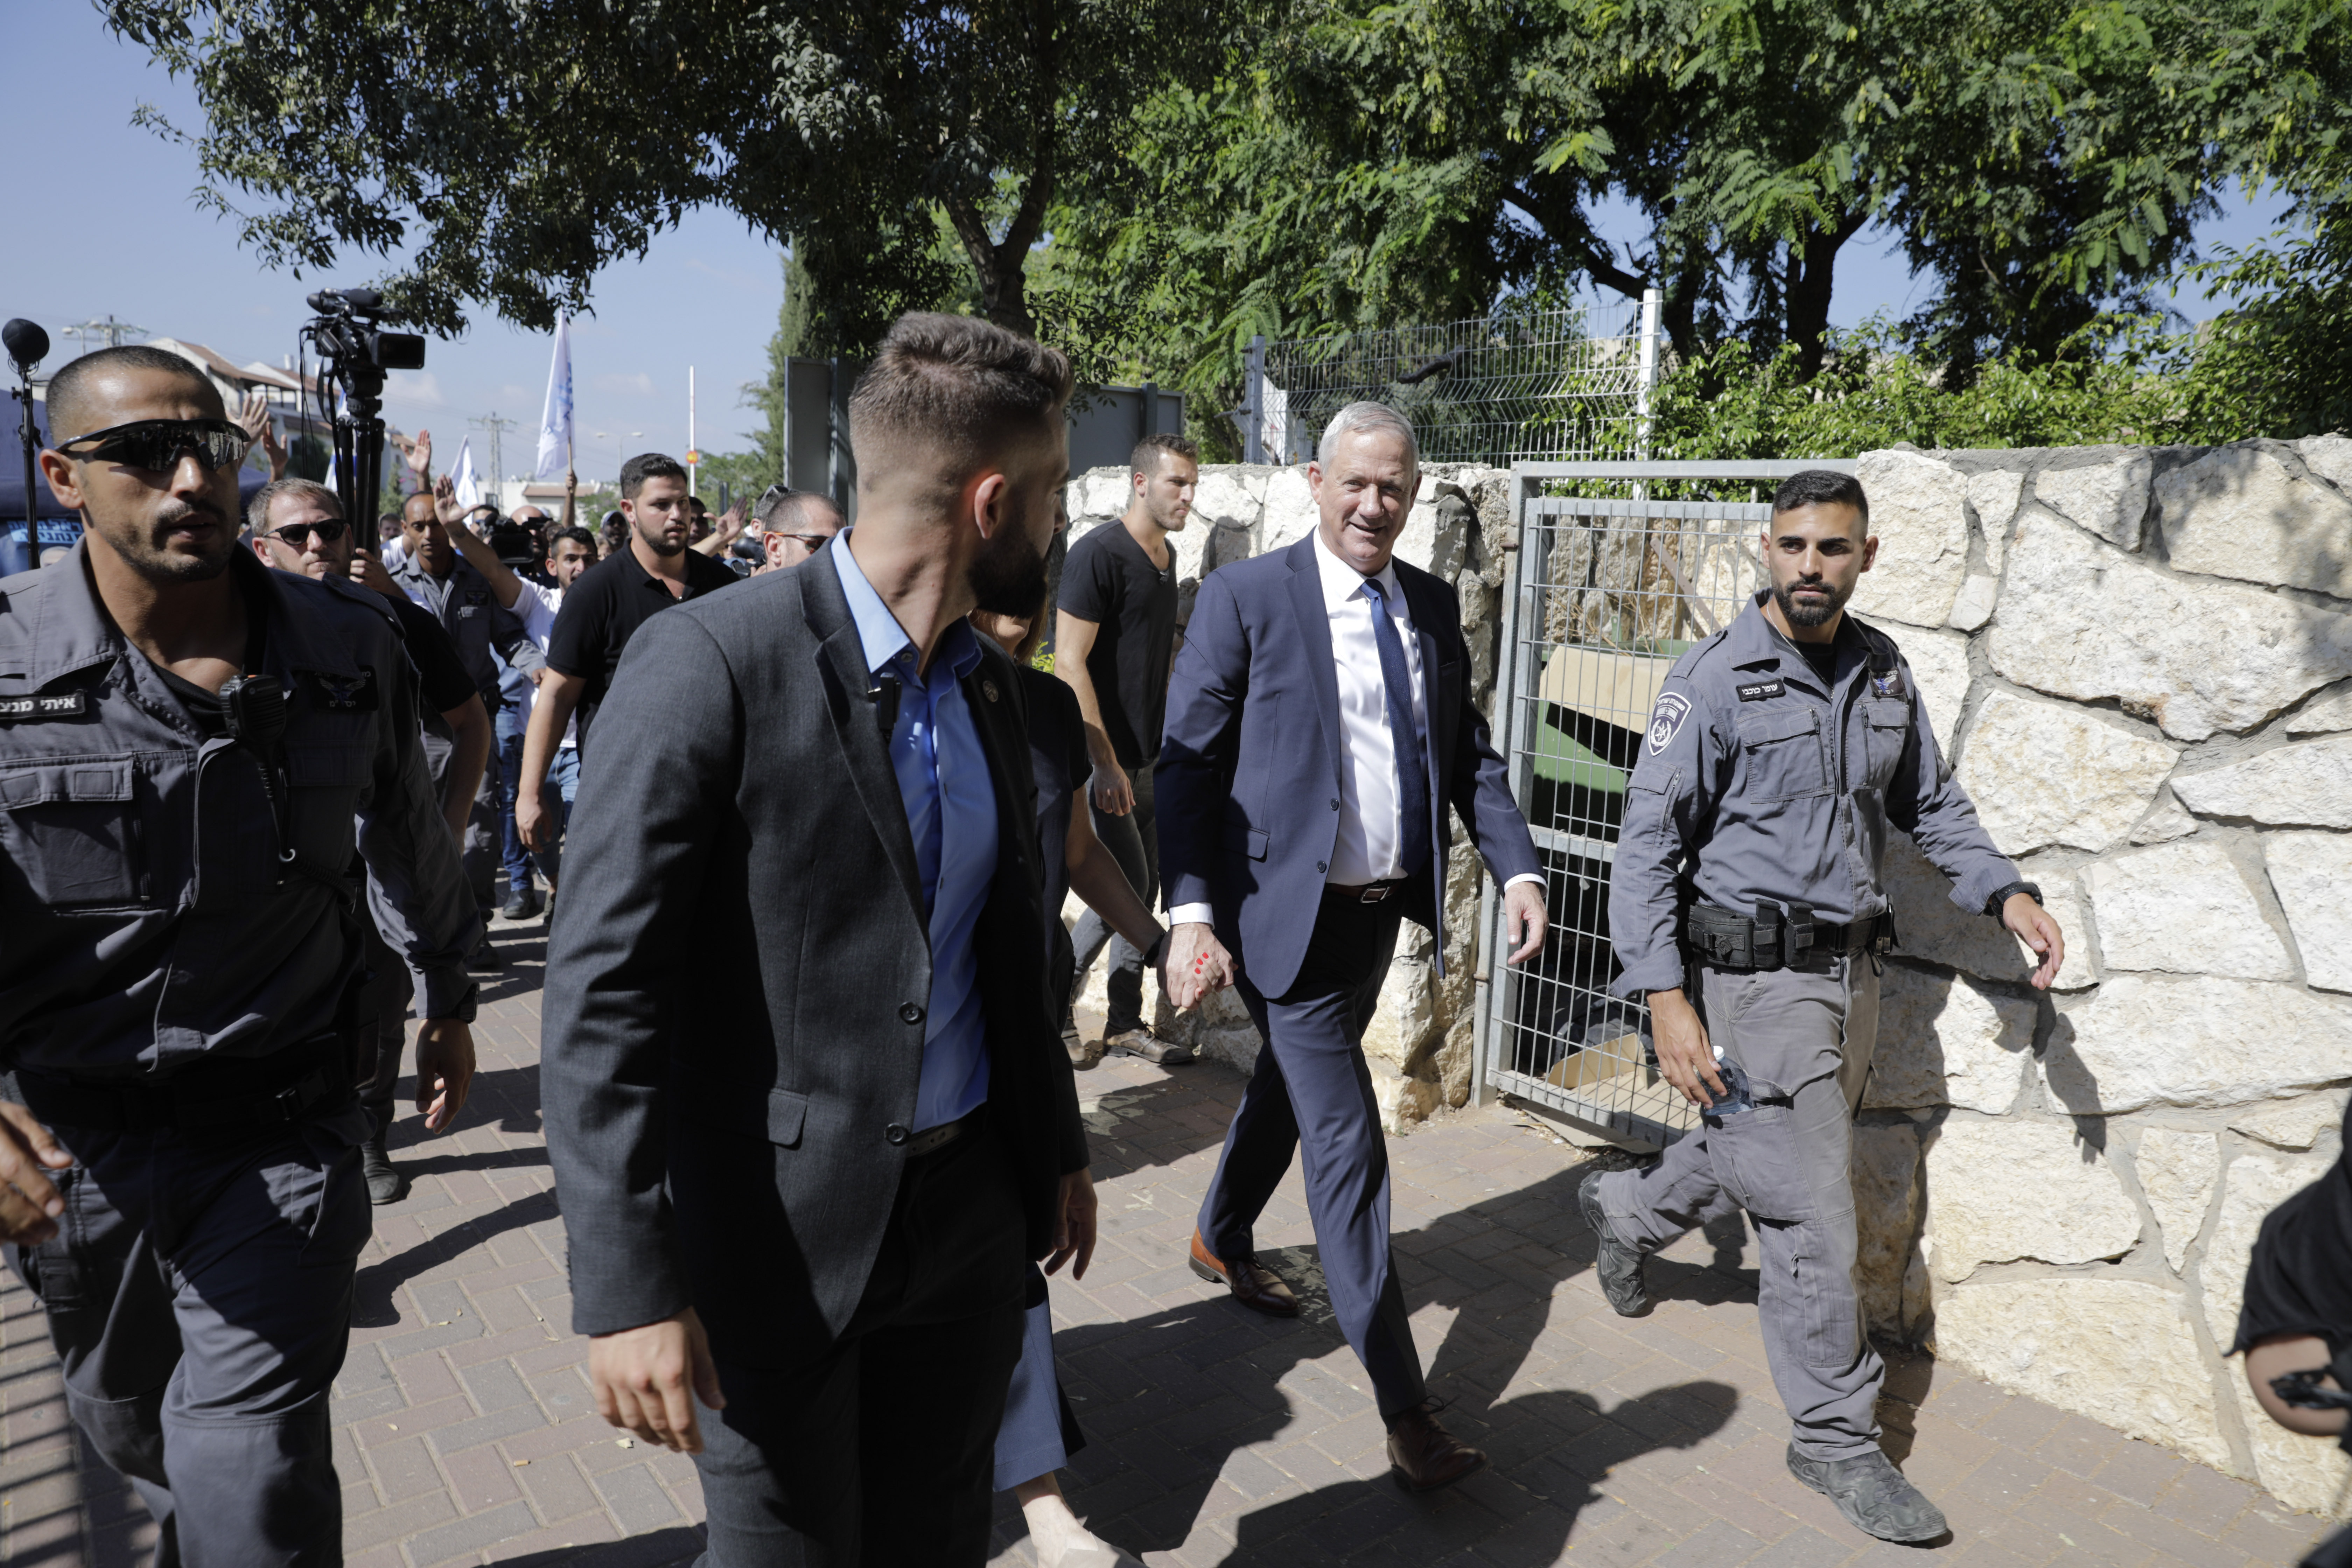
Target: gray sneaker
1873	1494
1619	1266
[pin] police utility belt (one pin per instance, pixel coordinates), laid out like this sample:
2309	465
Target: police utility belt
1779	936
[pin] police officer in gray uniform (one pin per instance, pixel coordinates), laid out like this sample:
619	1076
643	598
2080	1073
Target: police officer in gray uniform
485	632
1746	905
190	745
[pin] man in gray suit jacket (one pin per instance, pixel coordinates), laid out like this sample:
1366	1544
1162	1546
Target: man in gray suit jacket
806	1098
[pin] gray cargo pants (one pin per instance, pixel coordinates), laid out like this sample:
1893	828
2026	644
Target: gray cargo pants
199	1293
1804	1038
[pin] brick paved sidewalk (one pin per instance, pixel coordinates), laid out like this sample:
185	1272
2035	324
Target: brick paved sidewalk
465	1434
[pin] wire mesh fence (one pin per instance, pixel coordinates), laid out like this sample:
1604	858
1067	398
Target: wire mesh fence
1609	594
1553	385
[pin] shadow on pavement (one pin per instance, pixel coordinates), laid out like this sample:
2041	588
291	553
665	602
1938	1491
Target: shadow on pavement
672	1548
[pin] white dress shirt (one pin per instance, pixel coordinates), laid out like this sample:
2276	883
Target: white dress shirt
536	608
1371	814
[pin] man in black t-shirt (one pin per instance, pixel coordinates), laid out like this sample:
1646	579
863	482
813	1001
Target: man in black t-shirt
601	613
1112	644
298	526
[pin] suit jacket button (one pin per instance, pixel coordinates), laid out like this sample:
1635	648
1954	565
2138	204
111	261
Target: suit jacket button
911	1014
1335	805
1320	866
894	1134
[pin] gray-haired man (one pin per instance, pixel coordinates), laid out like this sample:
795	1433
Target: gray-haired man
1781	749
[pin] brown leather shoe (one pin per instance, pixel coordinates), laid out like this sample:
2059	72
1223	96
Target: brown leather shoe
1427	1456
1254	1286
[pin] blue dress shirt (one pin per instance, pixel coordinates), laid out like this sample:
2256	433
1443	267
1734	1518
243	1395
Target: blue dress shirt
950	800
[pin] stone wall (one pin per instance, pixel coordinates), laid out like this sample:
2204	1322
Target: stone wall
2139	661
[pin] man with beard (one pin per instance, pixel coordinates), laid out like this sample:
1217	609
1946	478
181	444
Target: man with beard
1780	751
298	527
806	1102
477	613
191	748
602	611
1112	644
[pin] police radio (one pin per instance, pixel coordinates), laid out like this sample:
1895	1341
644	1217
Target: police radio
255	706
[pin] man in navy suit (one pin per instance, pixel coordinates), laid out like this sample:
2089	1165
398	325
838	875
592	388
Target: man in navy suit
1318	725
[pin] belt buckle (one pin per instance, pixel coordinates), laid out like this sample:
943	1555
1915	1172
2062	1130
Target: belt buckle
1374	893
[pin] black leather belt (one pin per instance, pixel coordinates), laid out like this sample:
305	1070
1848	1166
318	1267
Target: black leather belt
931	1140
1369	893
232	1096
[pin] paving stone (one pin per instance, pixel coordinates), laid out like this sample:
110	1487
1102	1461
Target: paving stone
1216	1436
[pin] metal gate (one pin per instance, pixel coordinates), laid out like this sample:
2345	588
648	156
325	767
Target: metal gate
1607	589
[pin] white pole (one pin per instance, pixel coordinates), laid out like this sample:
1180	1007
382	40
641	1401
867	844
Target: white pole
693	458
1647	386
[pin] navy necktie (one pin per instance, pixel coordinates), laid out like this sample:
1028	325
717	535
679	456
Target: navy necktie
1413	762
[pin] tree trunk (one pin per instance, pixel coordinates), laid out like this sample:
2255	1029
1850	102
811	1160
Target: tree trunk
1813	270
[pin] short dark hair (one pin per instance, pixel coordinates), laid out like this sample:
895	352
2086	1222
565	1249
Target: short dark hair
68	389
1821	487
577	534
699	504
784	510
957	385
1145	460
256	511
647	466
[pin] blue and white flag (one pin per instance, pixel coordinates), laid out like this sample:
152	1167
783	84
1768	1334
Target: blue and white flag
555	420
469	491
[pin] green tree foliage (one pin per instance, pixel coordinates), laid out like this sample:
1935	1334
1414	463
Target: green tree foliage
505	153
1410	160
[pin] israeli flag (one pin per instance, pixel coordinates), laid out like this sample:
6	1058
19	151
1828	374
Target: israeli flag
469	491
555	419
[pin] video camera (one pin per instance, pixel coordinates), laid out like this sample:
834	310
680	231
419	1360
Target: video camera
357	352
511	541
347	332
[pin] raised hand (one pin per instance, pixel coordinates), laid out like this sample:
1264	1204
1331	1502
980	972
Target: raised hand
445	502
420	457
253	414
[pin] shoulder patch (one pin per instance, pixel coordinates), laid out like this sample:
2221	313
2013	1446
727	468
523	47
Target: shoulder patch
1667	721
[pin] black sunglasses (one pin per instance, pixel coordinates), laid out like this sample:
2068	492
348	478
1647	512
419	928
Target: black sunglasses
155	445
327	529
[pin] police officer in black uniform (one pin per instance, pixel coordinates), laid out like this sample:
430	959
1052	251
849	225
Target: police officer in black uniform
190	747
1746	905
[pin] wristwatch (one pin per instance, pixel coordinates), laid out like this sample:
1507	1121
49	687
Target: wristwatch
2002	895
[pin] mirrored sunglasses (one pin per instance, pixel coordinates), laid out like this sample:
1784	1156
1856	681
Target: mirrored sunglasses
156	445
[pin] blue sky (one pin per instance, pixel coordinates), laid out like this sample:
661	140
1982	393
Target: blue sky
124	237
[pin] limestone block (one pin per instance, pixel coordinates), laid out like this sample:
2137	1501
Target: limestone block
2080	618
1946	1041
2312	874
2308	1473
1403	1098
2204	1041
1416	544
2108	496
2236	511
1079	527
1994	494
1885	1167
2002	1191
2177	1170
1973	608
2329	457
1916	511
2043	775
2306	784
2294	1126
1231	493
1928	925
1939	663
1222	1032
1100	492
2253	1186
2183	909
2323	715
2123	1352
1289	514
2164	823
